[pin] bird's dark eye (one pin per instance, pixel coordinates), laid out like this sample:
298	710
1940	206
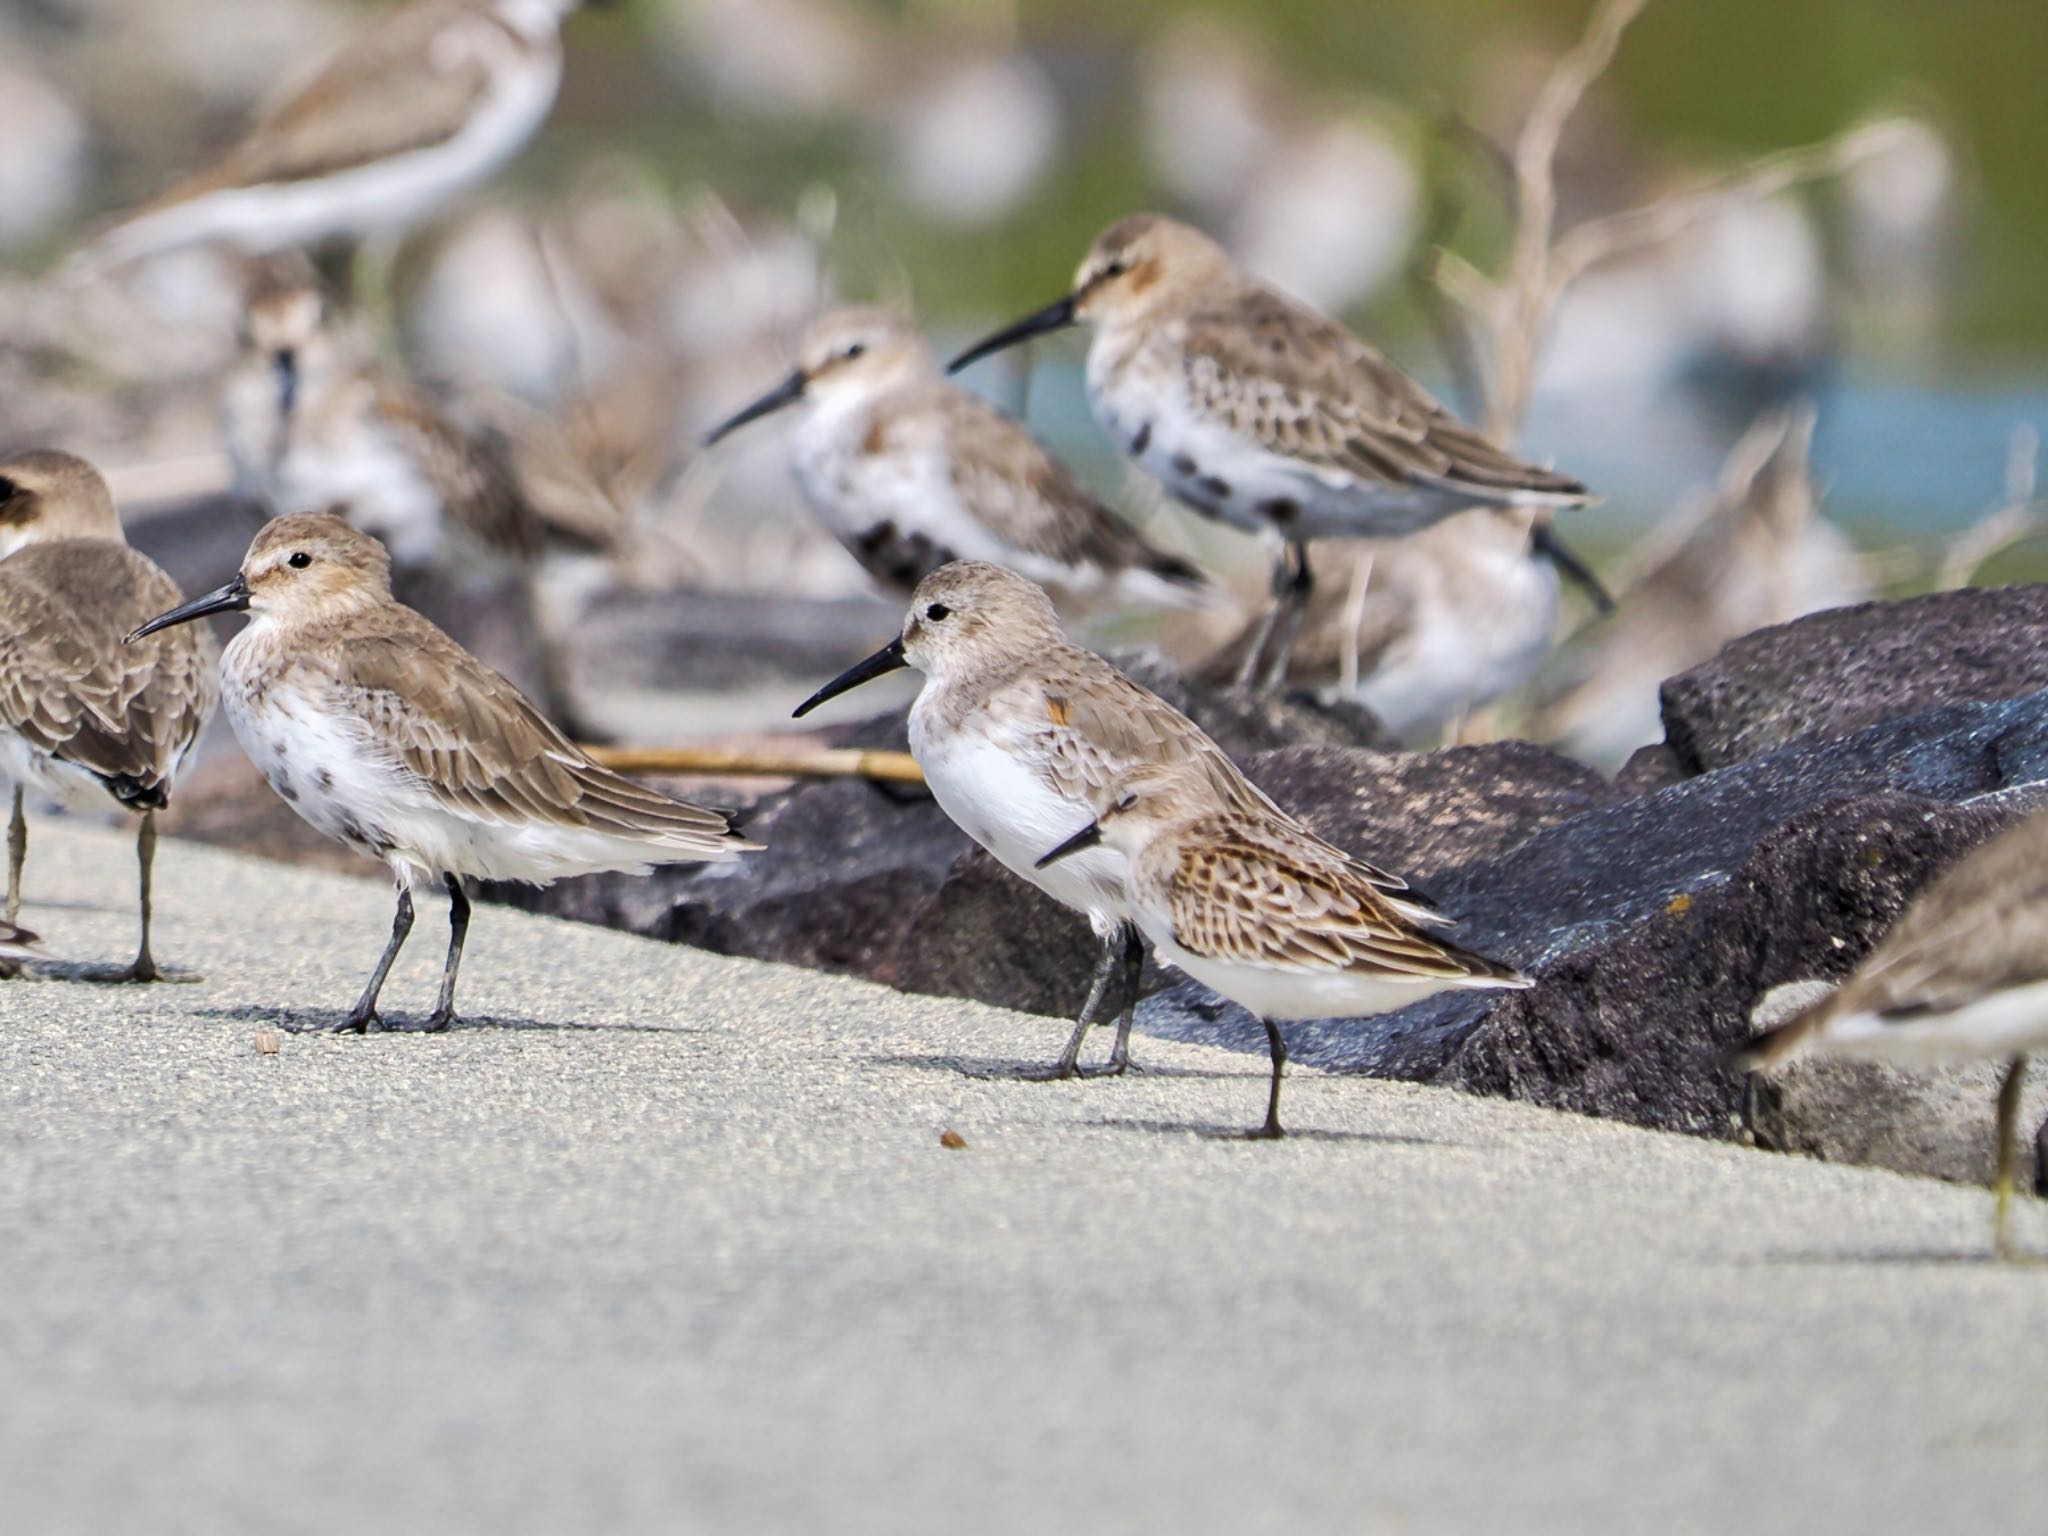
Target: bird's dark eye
1116	268
937	611
856	349
300	561
1127	802
8	490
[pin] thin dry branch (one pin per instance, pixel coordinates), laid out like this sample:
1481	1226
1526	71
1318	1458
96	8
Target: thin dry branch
2017	517
796	761
1525	286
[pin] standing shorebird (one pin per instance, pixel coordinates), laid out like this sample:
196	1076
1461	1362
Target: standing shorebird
311	422
1258	908
1424	629
909	471
387	736
1020	734
1962	976
428	100
1258	411
85	719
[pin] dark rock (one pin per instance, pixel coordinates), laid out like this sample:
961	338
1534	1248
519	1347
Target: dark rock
1834	673
989	935
729	641
1655	924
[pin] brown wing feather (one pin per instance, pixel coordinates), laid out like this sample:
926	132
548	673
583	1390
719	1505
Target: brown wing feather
70	686
483	749
370	101
1014	486
1250	895
1306	387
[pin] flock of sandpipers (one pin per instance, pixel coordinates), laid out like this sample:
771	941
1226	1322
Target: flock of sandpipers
1245	405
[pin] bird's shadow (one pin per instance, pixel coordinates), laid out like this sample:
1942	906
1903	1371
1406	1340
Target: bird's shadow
999	1069
1251	1134
317	1021
107	973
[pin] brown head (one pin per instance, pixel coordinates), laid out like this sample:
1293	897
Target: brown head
46	495
287	325
965	618
308	568
847	353
1136	268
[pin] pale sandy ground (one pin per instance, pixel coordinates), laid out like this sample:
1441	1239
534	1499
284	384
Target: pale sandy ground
665	1242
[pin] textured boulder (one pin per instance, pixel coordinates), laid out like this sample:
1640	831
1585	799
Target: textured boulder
1655	924
1833	673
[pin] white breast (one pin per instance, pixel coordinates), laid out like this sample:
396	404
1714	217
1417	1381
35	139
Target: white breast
1462	654
998	798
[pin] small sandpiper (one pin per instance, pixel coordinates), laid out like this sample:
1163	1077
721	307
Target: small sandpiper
1258	411
310	421
1425	629
909	471
427	101
387	736
1256	907
1962	976
85	720
1021	734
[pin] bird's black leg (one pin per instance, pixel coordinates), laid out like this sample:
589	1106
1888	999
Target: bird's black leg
458	930
1069	1059
17	855
2008	1124
365	1010
1252	668
1271	1130
1290	612
1133	978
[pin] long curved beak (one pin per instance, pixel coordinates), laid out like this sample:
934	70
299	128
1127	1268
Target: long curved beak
888	659
284	363
232	598
1056	316
788	392
1084	839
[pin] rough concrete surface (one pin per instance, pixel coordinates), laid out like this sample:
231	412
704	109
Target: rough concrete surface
661	1241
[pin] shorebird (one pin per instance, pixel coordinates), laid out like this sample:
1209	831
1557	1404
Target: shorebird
84	719
1424	629
1020	734
389	737
1961	976
1258	908
1258	411
312	423
909	471
427	101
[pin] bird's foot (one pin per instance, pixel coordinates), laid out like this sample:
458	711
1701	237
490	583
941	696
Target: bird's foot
359	1020
438	1020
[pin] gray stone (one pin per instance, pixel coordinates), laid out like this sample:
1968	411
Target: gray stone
1833	673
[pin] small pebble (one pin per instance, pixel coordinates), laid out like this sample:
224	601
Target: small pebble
952	1138
267	1042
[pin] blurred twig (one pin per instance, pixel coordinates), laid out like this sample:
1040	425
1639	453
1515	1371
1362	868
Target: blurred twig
797	761
2016	518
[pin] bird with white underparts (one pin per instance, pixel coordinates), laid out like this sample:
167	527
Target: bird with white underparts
1261	910
387	736
1021	734
1961	976
86	721
1256	410
910	471
429	99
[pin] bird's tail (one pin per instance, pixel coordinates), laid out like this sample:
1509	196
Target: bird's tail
1782	1041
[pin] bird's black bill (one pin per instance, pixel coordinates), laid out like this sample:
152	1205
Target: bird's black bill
888	659
232	598
1569	563
788	392
1056	316
1084	839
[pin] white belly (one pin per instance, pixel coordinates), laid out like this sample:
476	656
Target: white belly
1224	473
1459	657
1275	994
51	779
389	194
1000	801
2011	1022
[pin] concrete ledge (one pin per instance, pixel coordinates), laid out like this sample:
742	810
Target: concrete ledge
672	1244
